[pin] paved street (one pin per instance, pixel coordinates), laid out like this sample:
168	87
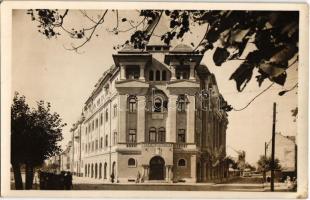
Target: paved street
240	184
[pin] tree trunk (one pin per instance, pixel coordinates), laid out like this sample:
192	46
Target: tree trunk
29	176
17	176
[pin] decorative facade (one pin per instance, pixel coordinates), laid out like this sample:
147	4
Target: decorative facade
156	114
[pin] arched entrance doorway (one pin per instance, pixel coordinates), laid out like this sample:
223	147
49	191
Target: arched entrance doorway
157	168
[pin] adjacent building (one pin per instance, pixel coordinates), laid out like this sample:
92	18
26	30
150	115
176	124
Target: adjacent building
286	152
156	114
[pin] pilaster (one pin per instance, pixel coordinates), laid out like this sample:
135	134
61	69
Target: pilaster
171	121
190	121
141	119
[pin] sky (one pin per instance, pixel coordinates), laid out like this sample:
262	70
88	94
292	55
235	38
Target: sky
42	69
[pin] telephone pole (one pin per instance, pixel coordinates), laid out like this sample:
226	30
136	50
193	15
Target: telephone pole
273	146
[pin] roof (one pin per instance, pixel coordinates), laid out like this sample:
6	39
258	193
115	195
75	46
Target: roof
129	48
182	48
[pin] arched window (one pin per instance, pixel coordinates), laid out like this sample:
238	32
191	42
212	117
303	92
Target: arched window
131	162
182	163
100	171
88	170
106	115
157	75
164	75
151	75
106	140
96	170
85	171
158	104
152	134
92	170
132	104
161	134
181	103
105	171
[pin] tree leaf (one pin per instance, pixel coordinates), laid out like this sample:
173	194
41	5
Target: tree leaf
242	75
220	56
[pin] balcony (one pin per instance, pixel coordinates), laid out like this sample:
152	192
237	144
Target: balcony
180	145
157	145
131	144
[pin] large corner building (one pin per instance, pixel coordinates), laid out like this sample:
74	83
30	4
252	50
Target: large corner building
156	114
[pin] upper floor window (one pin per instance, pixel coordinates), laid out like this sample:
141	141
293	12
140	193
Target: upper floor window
158	103
106	115
164	75
152	134
157	75
115	138
132	72
132	136
161	134
101	142
181	103
181	135
182	73
106	141
92	125
101	118
151	75
97	123
132	104
115	110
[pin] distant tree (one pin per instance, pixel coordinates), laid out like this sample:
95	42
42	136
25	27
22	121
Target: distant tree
249	166
264	164
35	136
231	162
274	34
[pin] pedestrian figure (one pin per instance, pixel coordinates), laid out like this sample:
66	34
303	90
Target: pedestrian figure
138	177
289	184
112	177
67	181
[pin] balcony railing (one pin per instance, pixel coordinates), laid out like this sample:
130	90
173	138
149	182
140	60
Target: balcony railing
157	144
131	144
180	145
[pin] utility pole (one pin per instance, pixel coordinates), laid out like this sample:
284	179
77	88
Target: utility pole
266	146
273	146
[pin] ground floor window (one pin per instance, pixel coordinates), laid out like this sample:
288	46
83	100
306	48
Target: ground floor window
181	163
131	162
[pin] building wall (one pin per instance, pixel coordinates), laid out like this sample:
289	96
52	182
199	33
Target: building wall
107	121
285	151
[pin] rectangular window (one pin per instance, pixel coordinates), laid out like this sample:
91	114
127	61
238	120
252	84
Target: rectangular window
181	135
132	136
96	123
106	140
101	118
106	115
115	110
92	125
101	142
115	138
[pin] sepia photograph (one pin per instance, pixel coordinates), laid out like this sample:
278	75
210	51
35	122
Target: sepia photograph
132	98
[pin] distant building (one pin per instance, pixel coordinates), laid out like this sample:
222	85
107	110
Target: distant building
286	152
147	116
65	158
